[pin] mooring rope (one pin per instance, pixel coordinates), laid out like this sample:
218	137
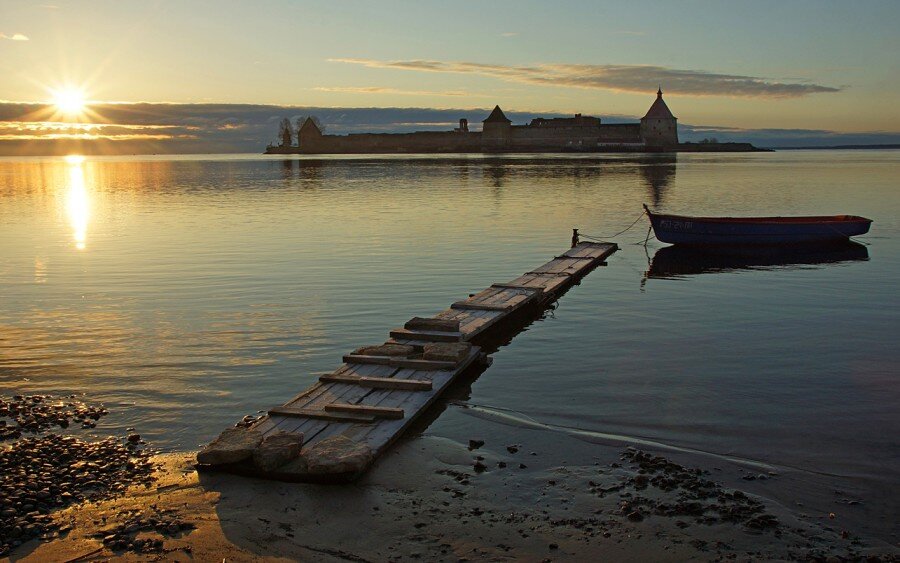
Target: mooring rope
601	239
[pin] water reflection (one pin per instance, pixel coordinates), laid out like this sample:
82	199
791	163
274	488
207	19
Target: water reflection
674	262
287	168
77	201
496	174
658	173
311	171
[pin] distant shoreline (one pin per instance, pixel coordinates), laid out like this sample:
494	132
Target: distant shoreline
249	153
840	147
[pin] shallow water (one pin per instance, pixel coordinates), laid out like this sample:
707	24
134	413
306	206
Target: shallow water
185	292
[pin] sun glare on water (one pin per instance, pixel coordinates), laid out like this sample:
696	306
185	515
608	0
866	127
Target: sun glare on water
78	201
69	101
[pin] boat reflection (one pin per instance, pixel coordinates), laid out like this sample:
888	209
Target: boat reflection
672	262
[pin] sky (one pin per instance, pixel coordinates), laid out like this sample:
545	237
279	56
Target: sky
778	72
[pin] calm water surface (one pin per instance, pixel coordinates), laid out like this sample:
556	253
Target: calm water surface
187	292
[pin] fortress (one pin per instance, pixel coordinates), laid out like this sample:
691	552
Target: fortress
657	131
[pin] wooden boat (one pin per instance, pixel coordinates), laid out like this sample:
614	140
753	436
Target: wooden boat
709	231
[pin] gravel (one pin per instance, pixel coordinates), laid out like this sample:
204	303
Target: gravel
42	474
36	413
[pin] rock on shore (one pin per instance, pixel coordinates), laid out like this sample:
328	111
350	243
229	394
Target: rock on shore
36	413
42	475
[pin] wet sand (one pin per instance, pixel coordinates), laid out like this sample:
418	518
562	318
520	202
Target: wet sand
426	500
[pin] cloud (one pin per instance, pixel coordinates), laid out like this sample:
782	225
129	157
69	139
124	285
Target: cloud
619	78
14	37
385	90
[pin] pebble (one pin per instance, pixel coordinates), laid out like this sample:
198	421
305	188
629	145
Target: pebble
36	413
39	475
247	421
475	444
122	537
696	496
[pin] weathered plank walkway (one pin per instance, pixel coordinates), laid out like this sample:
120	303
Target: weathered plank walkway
335	429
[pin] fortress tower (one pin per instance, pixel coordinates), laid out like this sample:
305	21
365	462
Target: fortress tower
309	135
659	128
497	130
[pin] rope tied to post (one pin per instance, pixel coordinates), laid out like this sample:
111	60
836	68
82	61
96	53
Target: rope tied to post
576	235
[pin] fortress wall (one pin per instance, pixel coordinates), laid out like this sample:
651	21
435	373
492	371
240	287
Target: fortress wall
423	141
553	138
621	133
560	137
520	137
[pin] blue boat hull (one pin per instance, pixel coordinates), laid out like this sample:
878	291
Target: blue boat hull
713	231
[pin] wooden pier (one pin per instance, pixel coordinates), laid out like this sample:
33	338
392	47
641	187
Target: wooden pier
334	430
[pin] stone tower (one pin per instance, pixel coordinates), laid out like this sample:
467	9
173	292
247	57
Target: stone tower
309	135
497	130
659	128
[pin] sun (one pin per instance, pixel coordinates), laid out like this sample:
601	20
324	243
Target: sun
69	101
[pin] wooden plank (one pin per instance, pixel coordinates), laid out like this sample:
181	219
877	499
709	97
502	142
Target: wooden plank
478	321
380	436
537	273
398	362
479	306
380	382
518	298
423	323
322	394
580	251
379	412
559	265
513	286
417	343
426	335
321	415
500	299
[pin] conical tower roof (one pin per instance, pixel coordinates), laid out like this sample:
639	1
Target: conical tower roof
659	109
309	125
496	116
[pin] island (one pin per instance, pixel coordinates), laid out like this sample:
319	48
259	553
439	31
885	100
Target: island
657	131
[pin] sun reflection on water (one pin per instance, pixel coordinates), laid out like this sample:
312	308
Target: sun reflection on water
77	201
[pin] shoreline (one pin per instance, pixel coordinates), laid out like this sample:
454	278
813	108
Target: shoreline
427	499
692	147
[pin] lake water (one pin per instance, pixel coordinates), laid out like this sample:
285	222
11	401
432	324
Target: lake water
185	292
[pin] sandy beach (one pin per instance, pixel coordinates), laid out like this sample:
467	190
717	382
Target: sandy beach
426	501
